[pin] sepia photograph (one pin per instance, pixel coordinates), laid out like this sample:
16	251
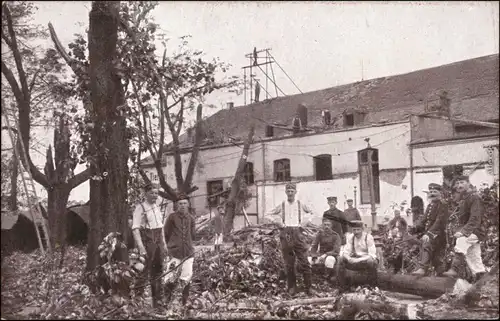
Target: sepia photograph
250	160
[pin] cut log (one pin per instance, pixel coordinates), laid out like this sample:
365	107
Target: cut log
295	302
353	303
424	286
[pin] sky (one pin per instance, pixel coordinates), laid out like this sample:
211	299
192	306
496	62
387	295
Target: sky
318	44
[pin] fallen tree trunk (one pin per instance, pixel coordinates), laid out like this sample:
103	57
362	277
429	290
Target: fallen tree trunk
325	300
424	286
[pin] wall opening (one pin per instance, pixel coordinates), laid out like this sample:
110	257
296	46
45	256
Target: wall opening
282	170
248	174
214	187
323	167
364	175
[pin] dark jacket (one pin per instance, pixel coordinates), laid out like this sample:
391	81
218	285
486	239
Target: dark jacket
402	222
471	211
179	235
352	214
339	222
434	221
328	241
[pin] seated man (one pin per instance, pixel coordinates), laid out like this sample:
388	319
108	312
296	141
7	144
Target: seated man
328	242
359	254
398	223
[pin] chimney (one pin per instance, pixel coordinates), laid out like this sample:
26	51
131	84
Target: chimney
230	105
302	114
444	103
296	124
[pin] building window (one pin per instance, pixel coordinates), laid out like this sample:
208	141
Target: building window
214	187
282	170
349	120
450	172
364	175
249	179
323	167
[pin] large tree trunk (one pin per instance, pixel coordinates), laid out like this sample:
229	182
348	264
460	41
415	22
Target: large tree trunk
13	183
109	143
56	209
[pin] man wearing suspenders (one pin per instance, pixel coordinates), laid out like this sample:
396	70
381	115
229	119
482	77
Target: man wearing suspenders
359	253
147	228
291	215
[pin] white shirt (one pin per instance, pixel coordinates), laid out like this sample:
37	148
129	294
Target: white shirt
147	215
361	247
291	217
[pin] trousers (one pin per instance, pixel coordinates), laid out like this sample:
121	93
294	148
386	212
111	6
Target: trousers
294	249
432	254
153	242
471	249
327	260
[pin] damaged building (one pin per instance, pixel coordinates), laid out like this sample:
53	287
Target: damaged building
420	127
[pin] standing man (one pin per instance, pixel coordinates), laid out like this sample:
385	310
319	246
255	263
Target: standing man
432	229
359	253
147	223
219	224
469	232
291	215
351	213
337	217
179	232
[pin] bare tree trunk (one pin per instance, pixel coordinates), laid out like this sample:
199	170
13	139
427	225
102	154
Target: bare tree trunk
13	183
57	198
109	143
231	204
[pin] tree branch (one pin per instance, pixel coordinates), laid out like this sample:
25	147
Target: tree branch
59	47
79	178
32	84
12	82
196	148
176	150
17	54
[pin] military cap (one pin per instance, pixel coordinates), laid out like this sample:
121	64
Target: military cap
435	186
182	196
331	198
291	186
356	223
461	178
349	200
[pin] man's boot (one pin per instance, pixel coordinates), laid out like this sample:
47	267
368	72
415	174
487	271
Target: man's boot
185	293
457	260
291	282
424	261
308	284
156	293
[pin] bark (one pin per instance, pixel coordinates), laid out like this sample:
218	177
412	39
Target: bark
232	201
427	287
109	144
13	183
56	208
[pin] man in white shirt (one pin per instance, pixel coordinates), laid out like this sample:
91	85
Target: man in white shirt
147	228
291	215
359	253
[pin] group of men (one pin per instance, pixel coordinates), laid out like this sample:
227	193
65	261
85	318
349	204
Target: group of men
340	245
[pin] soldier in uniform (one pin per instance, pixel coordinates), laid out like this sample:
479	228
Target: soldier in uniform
337	217
469	233
351	213
291	215
326	248
432	228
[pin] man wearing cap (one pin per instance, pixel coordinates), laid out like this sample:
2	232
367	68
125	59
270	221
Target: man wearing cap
179	232
351	213
147	223
339	220
398	223
326	248
291	214
359	253
469	232
432	229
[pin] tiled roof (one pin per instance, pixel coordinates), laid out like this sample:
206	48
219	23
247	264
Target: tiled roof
472	86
